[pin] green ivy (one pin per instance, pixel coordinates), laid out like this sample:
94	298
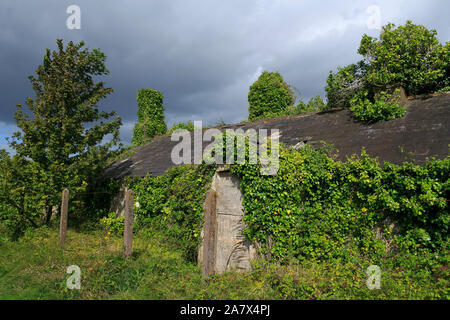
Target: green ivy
174	203
113	224
313	208
268	95
150	116
181	125
316	207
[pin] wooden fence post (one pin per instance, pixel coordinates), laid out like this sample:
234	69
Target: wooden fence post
128	224
210	234
63	221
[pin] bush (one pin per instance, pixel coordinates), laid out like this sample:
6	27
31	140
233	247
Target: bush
269	95
113	224
314	104
384	108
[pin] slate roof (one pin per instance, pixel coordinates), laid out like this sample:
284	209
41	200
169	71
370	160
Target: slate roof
423	132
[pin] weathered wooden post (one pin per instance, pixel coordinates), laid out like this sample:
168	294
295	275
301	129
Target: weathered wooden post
64	211
210	235
128	224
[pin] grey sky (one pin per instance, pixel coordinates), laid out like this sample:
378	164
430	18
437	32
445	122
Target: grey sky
202	55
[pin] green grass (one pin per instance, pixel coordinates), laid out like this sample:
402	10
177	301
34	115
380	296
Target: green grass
35	268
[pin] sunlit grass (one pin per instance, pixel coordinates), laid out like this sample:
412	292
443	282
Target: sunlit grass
35	268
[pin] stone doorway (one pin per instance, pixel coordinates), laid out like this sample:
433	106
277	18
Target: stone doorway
224	246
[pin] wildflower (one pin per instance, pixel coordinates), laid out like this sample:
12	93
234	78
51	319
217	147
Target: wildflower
106	238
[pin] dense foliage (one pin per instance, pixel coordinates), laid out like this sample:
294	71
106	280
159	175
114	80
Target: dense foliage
344	84
174	203
385	107
314	104
150	116
409	56
315	207
61	146
181	125
269	94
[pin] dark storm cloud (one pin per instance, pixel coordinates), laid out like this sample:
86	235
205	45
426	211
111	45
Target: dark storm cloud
202	55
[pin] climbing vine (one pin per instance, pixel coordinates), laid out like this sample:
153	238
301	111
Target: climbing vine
315	206
173	203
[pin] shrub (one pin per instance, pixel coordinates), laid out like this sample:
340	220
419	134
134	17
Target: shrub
314	104
384	108
113	224
269	95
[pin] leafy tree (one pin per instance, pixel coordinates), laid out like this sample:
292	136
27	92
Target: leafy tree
409	55
21	187
150	116
342	85
314	104
269	95
60	146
